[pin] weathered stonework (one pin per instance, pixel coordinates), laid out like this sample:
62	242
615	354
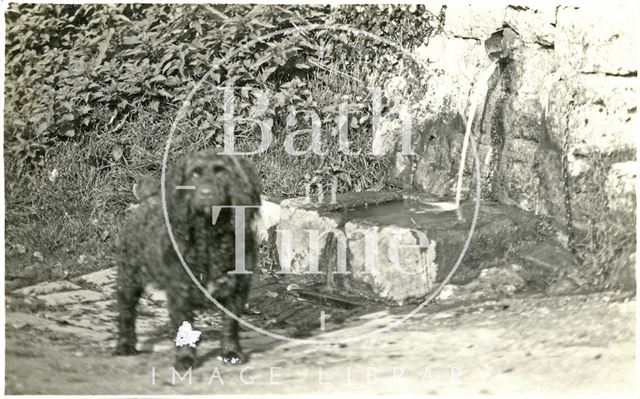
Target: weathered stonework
598	113
553	98
534	21
598	38
429	239
293	240
412	277
621	187
559	110
473	20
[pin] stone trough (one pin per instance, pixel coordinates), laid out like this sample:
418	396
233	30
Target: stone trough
393	246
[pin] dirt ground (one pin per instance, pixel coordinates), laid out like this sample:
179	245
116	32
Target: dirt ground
580	344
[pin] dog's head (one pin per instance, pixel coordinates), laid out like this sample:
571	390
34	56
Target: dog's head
208	178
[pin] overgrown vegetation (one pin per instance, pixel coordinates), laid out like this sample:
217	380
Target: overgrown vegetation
92	90
607	245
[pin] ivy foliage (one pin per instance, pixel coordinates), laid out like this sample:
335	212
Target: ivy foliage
71	69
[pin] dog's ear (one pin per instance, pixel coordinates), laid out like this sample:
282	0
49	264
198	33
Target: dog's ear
177	206
176	174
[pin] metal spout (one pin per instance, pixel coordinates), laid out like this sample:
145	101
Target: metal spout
500	44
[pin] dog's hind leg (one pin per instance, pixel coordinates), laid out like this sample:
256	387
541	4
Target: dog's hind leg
230	341
128	291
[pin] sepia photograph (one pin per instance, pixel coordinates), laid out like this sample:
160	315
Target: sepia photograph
433	198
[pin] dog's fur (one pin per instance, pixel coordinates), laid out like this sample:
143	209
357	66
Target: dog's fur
147	255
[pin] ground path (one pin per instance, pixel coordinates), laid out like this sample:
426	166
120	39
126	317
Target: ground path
534	344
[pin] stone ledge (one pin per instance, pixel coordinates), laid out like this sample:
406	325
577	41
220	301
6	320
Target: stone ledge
46	288
69	297
419	269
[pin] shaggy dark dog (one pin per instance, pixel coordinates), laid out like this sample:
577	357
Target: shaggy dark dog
198	182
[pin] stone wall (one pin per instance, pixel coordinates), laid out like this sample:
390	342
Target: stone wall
556	132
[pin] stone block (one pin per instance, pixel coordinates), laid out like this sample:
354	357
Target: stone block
534	21
411	275
473	20
598	38
100	278
428	236
46	288
269	218
621	187
597	112
69	297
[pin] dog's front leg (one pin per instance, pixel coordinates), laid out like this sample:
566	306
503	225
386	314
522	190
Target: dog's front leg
180	310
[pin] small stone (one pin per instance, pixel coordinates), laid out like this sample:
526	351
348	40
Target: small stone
68	297
620	186
443	315
449	291
248	309
100	278
562	287
46	288
292	287
19	325
269	217
53	175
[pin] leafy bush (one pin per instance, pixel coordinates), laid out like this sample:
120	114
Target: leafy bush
74	68
91	91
